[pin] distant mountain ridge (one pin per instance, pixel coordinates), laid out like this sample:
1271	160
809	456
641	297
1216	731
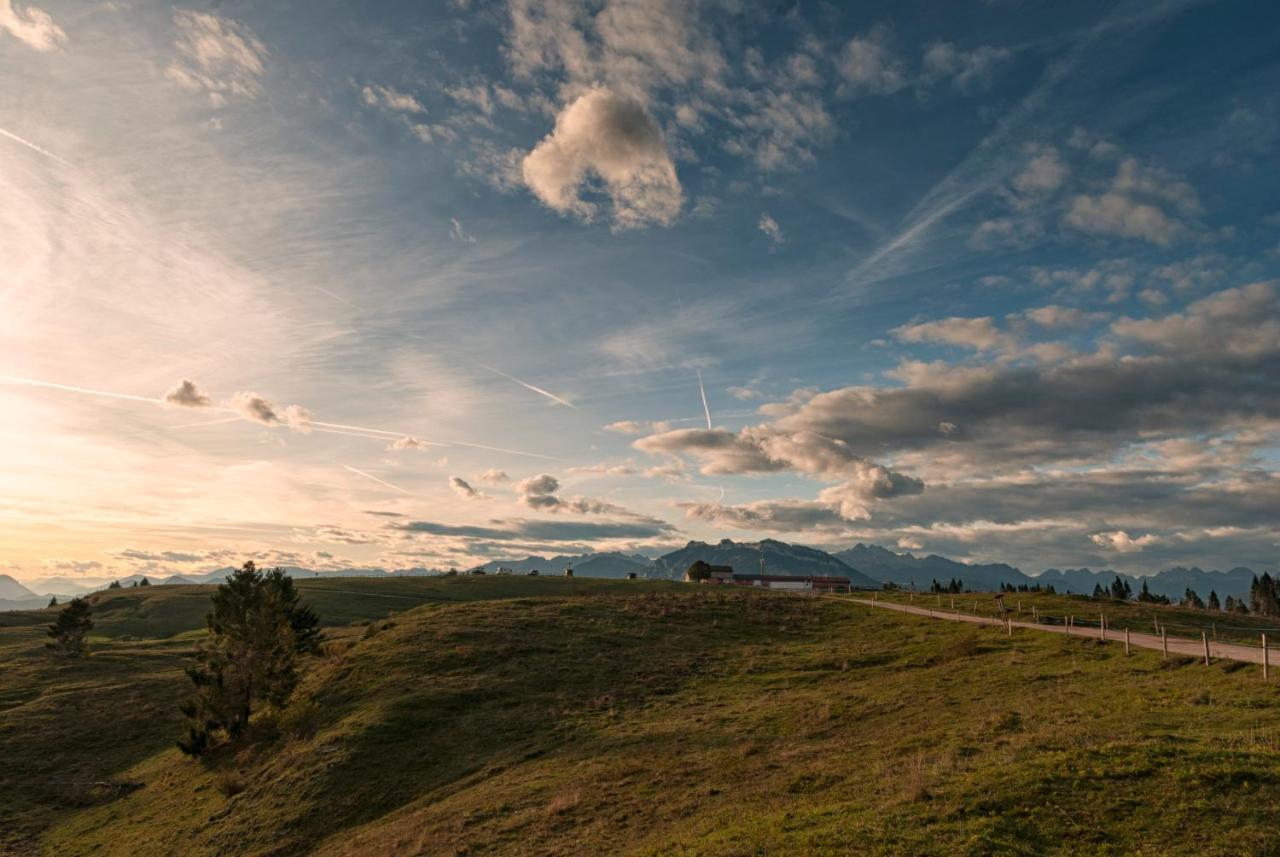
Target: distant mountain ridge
779	558
906	569
612	564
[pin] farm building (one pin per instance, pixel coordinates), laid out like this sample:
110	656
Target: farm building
808	582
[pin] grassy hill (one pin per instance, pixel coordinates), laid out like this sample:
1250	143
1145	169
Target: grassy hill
550	716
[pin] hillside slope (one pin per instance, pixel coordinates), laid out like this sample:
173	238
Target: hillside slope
683	720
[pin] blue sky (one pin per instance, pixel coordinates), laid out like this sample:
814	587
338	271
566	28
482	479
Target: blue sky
990	279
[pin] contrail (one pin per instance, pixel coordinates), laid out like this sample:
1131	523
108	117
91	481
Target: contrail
703	391
217	422
33	147
31	382
374	478
541	392
365	430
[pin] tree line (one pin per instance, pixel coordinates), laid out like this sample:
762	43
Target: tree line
258	631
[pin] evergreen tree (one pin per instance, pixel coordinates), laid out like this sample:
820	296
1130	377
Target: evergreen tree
1213	600
71	627
1144	594
1191	599
115	584
53	601
144	582
257	630
1098	591
1263	598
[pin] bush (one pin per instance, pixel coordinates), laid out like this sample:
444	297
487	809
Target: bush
229	783
301	720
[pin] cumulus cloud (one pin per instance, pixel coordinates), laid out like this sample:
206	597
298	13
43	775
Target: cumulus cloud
771	229
494	476
1142	202
217	55
762	449
539	492
187	395
254	407
869	65
612	138
390	98
967	70
980	334
1118	541
31	26
464	489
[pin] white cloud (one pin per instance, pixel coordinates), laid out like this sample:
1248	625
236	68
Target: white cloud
613	138
457	233
253	407
1134	206
771	229
408	442
493	476
869	65
217	55
390	98
967	70
1121	542
980	334
32	26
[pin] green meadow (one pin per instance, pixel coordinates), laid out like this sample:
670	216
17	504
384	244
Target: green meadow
527	716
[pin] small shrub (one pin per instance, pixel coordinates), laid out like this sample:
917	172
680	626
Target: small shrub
301	720
229	783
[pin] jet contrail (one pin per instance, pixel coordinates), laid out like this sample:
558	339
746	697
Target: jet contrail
541	392
703	391
217	422
33	147
374	478
334	427
31	382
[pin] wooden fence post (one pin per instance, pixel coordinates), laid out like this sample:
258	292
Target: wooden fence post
1126	641
1204	638
1068	626
1164	644
1156	622
1266	667
1035	614
1008	627
1102	626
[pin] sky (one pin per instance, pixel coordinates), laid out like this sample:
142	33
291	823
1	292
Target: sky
422	284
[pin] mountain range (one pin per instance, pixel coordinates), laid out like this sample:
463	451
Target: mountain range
867	566
745	557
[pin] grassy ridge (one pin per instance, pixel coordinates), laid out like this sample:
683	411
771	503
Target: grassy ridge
709	721
68	724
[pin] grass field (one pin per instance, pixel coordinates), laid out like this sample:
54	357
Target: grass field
528	716
1088	612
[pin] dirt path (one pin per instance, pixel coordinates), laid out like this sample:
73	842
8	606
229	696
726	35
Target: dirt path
1177	645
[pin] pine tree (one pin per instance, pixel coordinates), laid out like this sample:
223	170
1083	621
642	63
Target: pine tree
1098	591
144	582
115	584
1213	600
71	627
53	601
257	629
